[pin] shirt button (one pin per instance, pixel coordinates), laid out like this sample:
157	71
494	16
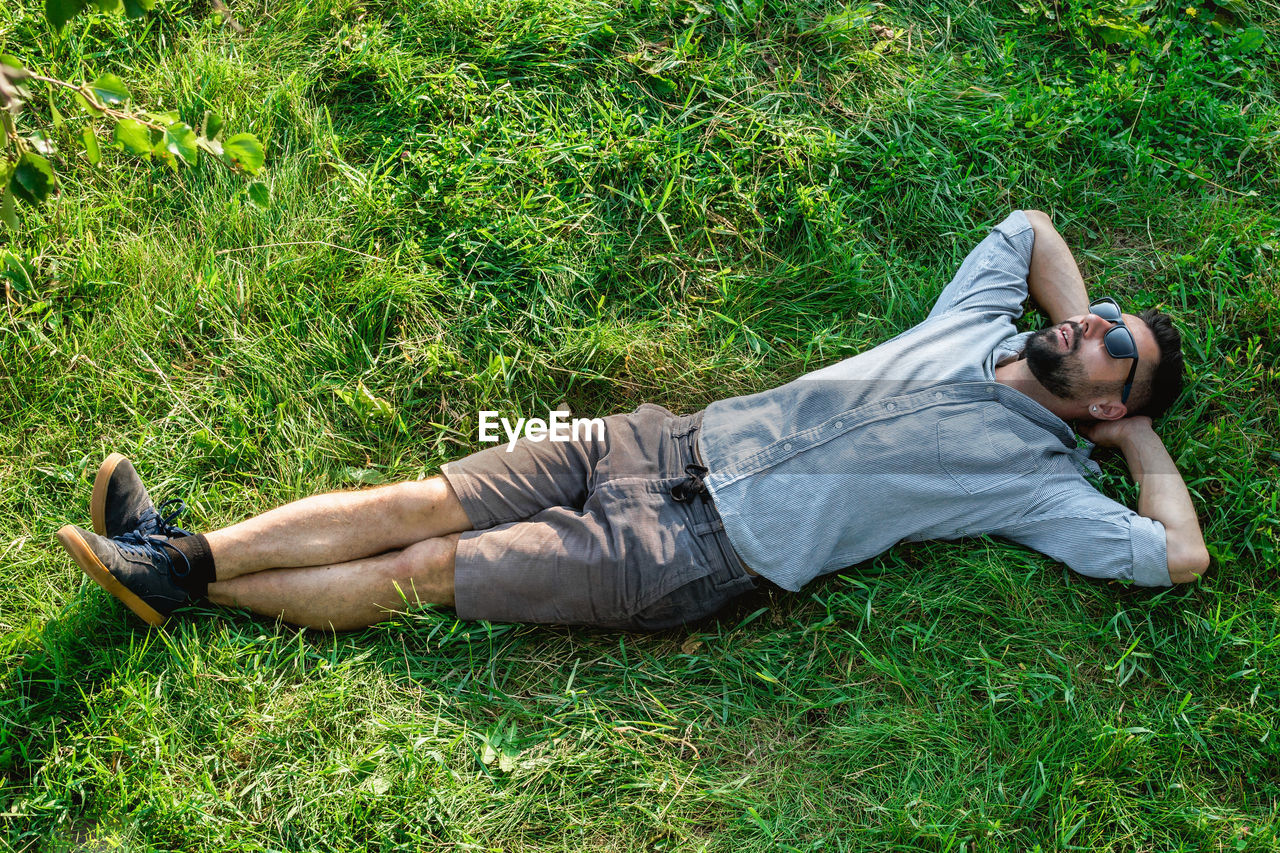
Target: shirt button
890	406
939	395
991	389
786	446
839	424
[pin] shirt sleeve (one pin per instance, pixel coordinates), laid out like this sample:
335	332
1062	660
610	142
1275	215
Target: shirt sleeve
1095	536
993	277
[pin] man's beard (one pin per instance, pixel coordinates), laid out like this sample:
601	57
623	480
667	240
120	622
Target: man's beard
1059	373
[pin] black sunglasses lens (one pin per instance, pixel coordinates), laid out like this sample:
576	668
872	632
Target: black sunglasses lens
1108	311
1120	343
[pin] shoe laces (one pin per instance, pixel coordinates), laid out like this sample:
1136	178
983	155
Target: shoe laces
159	520
151	547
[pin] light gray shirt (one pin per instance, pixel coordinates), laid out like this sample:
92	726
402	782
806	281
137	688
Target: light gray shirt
915	439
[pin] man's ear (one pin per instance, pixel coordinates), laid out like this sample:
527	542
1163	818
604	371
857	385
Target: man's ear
1108	410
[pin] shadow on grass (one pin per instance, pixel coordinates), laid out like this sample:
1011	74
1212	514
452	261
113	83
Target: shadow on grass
53	673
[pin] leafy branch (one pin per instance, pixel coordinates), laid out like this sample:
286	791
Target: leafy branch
26	173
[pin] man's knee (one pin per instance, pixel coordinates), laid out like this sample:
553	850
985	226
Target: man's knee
432	503
423	572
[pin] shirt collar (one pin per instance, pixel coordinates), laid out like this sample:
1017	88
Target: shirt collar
1018	402
1077	445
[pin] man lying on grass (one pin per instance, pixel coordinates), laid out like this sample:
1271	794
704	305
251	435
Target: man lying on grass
956	427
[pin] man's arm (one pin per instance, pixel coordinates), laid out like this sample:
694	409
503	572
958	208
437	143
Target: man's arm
1162	493
1054	279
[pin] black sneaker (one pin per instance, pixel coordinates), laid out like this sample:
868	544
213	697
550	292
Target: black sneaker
120	504
135	568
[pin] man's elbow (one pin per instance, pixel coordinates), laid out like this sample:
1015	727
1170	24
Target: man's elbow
1036	217
1188	565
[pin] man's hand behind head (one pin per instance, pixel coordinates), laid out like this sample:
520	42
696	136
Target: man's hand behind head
1115	433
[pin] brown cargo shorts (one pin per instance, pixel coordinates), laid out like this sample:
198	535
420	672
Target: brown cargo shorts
587	532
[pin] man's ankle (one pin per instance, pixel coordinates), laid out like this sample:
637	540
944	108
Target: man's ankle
199	557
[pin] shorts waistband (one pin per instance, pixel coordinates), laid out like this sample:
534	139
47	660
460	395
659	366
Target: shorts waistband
707	521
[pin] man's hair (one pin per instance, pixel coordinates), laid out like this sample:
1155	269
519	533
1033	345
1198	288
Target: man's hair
1157	393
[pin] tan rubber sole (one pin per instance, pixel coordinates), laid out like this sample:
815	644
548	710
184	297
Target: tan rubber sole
98	503
92	566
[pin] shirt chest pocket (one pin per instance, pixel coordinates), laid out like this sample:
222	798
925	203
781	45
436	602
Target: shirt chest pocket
980	451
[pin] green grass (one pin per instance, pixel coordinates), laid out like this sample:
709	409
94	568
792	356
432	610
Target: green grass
504	205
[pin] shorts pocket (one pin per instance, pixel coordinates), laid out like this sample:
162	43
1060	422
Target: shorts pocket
694	601
651	539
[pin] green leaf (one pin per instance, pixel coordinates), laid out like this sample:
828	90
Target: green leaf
211	127
167	117
33	179
109	90
8	213
54	115
91	148
86	106
213	146
18	270
17	70
134	136
177	143
366	476
843	26
1118	29
664	86
1249	40
260	194
138	8
41	142
13	92
58	12
245	152
107	5
366	405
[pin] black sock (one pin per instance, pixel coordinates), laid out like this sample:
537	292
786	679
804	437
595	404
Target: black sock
196	549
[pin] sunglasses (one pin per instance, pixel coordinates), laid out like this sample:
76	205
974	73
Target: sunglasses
1118	339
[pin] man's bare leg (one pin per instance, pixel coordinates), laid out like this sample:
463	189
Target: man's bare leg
371	552
338	528
348	595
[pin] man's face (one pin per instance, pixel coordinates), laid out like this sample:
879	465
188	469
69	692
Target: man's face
1071	361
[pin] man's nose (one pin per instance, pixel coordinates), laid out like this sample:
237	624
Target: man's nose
1095	325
